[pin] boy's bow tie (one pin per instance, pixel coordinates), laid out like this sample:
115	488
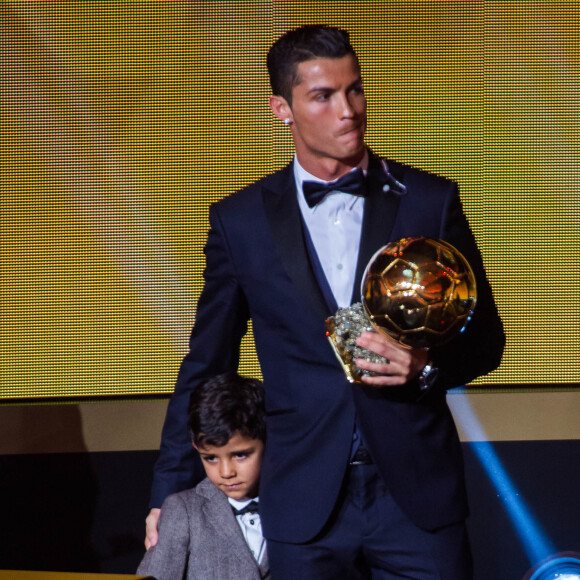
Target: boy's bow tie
353	183
251	508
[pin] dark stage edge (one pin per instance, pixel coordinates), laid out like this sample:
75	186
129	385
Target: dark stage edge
84	512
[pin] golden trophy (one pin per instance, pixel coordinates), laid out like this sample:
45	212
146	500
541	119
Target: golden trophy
418	292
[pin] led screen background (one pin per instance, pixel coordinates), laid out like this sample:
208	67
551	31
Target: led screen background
125	120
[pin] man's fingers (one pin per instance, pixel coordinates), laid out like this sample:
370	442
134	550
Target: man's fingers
386	368
404	364
151	528
379	344
385	373
381	380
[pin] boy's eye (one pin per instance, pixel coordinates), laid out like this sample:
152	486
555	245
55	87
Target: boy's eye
241	455
209	458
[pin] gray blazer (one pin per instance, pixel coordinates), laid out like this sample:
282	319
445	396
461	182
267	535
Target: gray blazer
200	539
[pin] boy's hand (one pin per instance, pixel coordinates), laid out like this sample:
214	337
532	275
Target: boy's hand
404	364
151	528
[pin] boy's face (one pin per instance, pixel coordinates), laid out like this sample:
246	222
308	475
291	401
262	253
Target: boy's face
234	468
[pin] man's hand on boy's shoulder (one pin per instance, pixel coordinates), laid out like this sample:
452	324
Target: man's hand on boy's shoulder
151	528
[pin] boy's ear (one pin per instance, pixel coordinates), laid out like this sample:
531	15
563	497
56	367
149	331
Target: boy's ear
280	108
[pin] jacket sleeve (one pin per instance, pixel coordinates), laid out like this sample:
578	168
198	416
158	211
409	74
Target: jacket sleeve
168	559
221	321
478	350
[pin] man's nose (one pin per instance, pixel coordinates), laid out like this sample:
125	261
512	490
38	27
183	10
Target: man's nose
345	108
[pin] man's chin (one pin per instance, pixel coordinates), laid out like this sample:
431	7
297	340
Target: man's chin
352	156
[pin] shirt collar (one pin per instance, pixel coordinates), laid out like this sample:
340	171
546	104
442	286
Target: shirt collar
242	504
301	175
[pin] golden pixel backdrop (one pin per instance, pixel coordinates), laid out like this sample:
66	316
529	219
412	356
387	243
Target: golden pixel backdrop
125	120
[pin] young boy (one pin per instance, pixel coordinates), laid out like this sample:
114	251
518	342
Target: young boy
200	535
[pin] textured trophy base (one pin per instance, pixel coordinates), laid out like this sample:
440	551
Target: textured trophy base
342	330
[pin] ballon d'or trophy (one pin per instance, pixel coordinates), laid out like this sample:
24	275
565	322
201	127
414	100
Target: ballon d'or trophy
418	292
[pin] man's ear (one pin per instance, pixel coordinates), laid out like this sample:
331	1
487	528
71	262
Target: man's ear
281	108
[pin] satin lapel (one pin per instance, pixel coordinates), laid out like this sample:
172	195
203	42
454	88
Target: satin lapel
283	214
379	219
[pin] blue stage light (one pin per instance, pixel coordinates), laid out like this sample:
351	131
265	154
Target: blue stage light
534	540
537	545
564	566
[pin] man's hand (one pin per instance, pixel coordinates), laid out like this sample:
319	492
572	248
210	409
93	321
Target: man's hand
151	523
403	364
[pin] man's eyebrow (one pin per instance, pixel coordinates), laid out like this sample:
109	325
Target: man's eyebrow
359	81
322	90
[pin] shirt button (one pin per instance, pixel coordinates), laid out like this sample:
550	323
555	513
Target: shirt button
339	266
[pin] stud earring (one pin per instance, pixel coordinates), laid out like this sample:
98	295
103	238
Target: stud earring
287	121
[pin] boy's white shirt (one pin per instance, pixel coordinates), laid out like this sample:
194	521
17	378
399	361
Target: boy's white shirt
251	527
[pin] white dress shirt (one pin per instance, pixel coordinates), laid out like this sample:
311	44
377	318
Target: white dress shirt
335	226
251	527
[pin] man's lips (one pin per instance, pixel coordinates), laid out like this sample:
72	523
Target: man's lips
350	131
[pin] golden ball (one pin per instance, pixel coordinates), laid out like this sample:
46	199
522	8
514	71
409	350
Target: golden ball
420	292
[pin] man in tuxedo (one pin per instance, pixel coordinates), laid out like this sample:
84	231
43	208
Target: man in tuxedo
357	480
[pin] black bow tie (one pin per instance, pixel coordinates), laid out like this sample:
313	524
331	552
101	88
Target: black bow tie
353	183
251	508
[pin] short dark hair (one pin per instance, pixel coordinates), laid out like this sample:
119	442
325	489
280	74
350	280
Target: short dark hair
300	45
223	405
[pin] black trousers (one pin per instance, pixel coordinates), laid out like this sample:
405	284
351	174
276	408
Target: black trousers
369	537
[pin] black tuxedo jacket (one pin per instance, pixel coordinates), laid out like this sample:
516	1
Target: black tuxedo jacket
257	267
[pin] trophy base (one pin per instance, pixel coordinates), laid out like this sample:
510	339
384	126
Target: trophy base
342	330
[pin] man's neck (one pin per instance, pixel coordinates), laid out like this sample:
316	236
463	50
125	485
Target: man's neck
332	169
